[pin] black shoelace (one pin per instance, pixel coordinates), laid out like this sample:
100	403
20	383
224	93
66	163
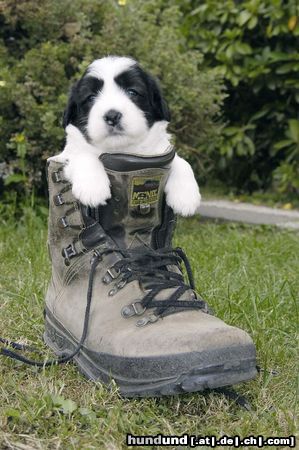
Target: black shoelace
155	270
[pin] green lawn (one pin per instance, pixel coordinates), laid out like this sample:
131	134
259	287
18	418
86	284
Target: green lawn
249	275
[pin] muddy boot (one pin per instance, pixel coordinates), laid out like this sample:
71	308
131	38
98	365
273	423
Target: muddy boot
117	291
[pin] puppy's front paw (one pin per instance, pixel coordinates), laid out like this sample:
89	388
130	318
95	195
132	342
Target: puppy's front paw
91	193
61	158
184	199
74	135
90	184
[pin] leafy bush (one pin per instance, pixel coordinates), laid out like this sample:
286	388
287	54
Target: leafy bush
46	45
254	45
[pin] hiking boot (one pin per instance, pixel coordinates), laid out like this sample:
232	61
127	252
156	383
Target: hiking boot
118	295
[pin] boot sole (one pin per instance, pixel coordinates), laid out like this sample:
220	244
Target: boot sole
235	365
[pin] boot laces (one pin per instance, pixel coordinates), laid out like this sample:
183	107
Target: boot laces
156	270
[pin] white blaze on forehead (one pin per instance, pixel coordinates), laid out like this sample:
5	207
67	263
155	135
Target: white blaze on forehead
110	66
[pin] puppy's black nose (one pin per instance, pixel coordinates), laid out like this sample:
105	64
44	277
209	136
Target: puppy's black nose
112	117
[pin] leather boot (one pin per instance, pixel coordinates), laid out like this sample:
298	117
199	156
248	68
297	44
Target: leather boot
118	293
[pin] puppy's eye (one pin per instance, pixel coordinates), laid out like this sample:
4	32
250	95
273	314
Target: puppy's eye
132	92
90	98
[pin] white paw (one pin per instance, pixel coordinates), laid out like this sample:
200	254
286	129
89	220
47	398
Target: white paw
74	135
91	192
184	199
90	182
61	158
76	142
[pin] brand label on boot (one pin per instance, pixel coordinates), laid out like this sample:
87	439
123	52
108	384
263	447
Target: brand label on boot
144	191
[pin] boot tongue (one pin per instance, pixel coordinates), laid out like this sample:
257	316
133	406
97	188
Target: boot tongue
135	208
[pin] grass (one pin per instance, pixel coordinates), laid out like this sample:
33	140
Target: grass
249	275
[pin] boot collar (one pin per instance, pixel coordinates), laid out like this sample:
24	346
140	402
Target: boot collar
121	162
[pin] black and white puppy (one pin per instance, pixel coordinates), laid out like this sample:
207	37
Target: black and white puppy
117	107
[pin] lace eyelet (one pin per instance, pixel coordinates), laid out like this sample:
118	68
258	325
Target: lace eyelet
58	200
62	222
110	275
152	318
134	309
68	253
56	177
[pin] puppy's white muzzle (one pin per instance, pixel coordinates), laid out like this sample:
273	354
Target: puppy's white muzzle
115	120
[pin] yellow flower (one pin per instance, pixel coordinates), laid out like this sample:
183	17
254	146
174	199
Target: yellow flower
122	2
293	20
19	138
287	206
2	83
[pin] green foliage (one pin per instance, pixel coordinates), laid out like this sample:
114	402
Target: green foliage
254	45
190	46
46	45
287	174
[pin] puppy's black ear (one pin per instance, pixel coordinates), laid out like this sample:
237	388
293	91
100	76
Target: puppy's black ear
159	104
71	110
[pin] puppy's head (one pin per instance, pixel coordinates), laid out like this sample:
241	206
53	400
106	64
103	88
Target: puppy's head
115	103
